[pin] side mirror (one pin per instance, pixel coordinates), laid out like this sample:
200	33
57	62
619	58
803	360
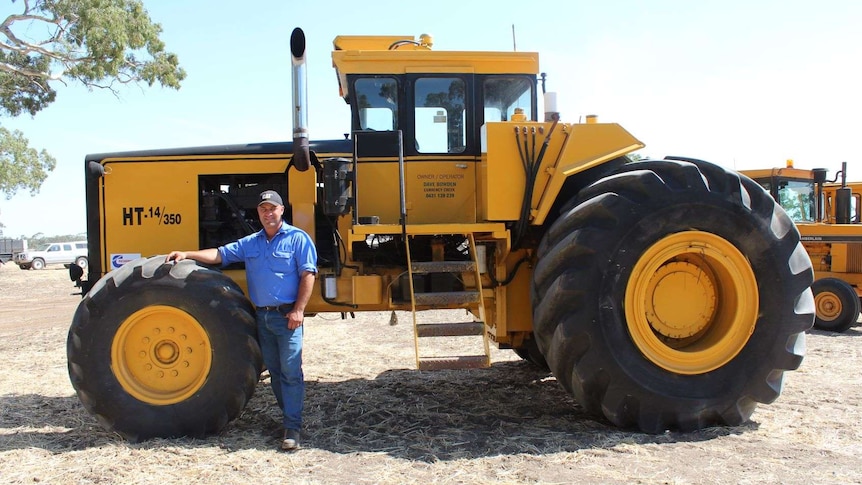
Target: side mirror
75	272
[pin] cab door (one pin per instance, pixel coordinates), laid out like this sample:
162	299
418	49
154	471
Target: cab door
434	114
440	177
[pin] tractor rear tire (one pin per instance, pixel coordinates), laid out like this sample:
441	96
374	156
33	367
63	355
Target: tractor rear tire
837	305
164	350
531	353
672	295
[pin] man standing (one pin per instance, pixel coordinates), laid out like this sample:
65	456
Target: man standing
280	263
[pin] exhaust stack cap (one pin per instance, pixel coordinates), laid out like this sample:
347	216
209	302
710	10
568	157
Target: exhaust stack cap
819	175
301	157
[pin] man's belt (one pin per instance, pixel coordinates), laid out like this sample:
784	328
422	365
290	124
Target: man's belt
284	308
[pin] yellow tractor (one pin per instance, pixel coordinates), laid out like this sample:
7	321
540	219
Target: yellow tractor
827	214
662	294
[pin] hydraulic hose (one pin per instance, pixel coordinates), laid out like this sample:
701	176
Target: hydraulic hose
531	164
495	283
331	301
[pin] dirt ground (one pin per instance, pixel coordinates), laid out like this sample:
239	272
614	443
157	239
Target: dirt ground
370	419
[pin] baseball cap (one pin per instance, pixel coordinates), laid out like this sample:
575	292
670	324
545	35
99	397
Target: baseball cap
270	197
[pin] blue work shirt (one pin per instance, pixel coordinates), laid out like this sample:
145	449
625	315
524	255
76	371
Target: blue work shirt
273	267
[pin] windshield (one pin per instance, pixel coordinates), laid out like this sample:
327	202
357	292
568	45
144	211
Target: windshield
797	199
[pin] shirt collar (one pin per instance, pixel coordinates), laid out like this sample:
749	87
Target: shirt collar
281	230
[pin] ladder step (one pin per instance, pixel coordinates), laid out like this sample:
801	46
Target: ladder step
455	362
442	266
447	298
461	329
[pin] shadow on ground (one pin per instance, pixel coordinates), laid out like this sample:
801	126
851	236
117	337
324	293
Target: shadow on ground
511	408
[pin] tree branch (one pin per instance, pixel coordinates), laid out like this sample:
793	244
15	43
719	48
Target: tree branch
4	66
27	47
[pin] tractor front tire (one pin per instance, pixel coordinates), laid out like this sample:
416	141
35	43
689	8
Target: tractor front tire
672	295
164	350
837	305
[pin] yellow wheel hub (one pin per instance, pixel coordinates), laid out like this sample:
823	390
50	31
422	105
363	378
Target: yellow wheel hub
671	316
691	302
161	355
828	306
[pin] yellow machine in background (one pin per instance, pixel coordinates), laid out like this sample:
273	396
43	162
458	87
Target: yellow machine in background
827	215
662	294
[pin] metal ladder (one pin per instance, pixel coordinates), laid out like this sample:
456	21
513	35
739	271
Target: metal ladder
470	299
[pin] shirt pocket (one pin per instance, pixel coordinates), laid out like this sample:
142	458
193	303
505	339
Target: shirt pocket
252	254
253	259
283	261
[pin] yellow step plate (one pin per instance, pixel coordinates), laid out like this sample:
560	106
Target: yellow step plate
455	362
462	329
442	266
447	298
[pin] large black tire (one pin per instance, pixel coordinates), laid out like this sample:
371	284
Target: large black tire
164	350
530	352
672	296
836	304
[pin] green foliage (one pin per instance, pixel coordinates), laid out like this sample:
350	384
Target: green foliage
99	43
116	39
96	42
21	167
39	240
21	93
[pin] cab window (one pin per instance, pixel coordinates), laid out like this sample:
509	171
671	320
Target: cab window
503	94
377	103
797	198
440	115
855	205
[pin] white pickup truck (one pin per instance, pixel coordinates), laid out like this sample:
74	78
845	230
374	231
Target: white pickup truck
54	253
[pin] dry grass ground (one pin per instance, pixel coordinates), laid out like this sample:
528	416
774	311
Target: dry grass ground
370	419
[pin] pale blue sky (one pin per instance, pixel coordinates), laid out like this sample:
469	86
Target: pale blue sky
742	83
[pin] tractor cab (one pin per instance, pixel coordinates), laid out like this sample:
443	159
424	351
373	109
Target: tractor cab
427	109
437	99
807	196
793	188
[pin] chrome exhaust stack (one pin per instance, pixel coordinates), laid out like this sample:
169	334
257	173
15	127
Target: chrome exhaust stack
301	158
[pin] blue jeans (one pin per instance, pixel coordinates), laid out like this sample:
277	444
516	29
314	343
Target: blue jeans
282	354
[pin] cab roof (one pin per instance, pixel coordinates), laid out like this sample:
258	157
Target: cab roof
355	54
785	172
